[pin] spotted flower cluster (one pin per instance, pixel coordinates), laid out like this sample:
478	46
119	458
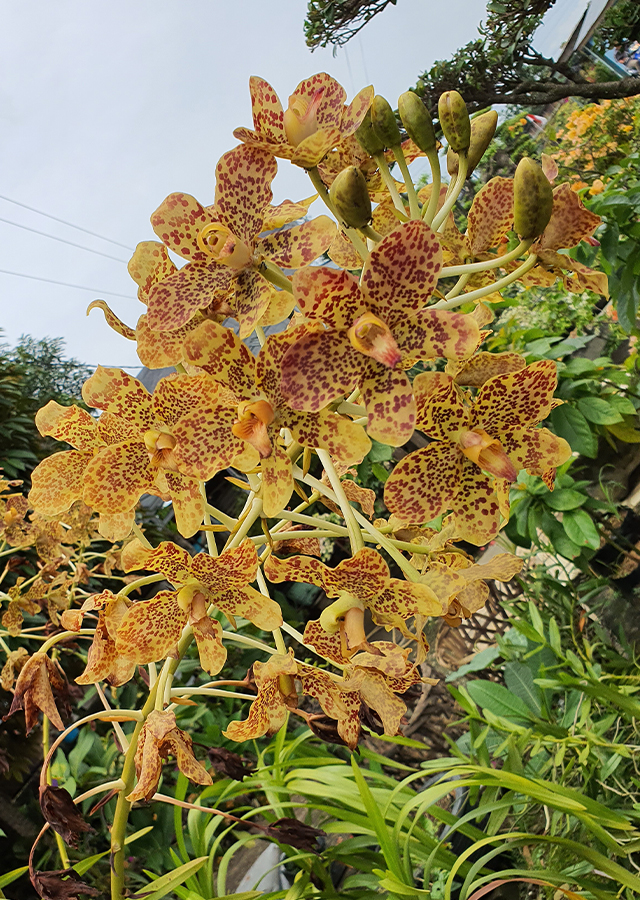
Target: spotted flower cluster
368	320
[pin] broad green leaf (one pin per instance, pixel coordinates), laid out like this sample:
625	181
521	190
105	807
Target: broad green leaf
498	700
569	423
599	411
554	636
519	680
564	499
625	433
163	885
580	528
480	661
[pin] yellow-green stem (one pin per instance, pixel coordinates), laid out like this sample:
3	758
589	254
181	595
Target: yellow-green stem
390	183
440	219
436	181
414	205
355	538
140	582
206	519
458	287
275	275
495	263
62	850
529	263
139	534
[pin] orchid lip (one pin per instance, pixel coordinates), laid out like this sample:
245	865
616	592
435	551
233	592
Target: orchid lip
373	337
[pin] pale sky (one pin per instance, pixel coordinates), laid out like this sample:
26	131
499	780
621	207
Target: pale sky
108	107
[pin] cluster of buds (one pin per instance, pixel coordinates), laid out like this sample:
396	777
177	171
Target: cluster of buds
404	287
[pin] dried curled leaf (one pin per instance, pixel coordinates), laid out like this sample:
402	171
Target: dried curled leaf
62	814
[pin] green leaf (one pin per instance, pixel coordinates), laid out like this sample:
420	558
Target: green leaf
598	411
569	423
387	845
519	680
554	637
163	885
480	661
565	499
14	874
498	700
625	433
580	529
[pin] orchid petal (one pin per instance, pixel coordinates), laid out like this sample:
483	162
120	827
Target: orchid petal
167	558
245	601
299	245
58	481
343	439
570	223
175	300
188	504
178	221
517	399
243	190
342	252
364	575
491	214
535	449
205	442
268	116
435	332
176	396
391	410
277	481
356	111
150	264
116	526
112	320
424	482
319	368
331	105
70	424
114	391
330	295
311	150
212	652
440	410
252	300
234	568
476	507
224	356
402	271
483	366
286	212
161	349
150	629
117	477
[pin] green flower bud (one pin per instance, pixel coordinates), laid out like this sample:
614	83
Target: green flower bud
350	196
483	129
384	122
532	199
367	138
454	120
417	121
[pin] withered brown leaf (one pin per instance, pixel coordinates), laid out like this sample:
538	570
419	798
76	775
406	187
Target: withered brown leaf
62	814
55	886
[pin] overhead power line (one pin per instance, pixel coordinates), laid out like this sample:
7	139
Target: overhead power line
62	240
79	287
64	222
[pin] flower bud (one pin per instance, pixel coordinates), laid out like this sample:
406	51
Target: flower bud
367	138
454	120
532	199
417	121
350	196
384	122
483	129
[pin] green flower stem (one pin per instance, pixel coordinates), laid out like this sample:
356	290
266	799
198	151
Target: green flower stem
46	770
355	538
429	211
208	692
277	634
124	741
63	636
347	408
139	582
5	646
458	287
247	642
411	573
259	332
115	785
351	233
121	815
253	514
441	217
260	539
497	262
370	233
139	534
12	550
311	520
414	204
390	183
529	263
275	275
206	520
121	714
223	518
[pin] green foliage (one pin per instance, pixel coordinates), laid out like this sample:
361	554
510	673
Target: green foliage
621	25
31	374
